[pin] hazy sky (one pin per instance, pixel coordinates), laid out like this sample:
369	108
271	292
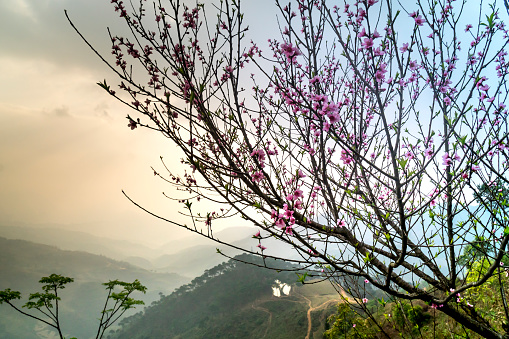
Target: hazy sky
65	149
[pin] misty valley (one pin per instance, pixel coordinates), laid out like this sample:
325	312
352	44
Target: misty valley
192	292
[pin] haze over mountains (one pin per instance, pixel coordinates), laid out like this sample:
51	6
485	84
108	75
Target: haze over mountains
221	290
190	257
23	263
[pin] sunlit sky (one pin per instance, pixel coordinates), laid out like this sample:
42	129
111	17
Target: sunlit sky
65	149
66	152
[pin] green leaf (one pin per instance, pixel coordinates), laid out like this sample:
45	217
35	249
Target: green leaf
402	163
302	277
104	85
506	231
8	295
463	140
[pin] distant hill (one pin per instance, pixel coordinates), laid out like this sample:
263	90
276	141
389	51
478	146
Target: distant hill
235	300
23	263
189	256
79	241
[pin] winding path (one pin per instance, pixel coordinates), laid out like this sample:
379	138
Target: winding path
311	309
263	309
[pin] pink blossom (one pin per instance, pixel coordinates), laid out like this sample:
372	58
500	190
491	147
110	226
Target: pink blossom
341	223
298	194
298	205
257	235
419	20
288	214
258	153
333	117
364	300
257	176
261	247
379	76
367	43
290	51
404	48
428	152
316	78
132	124
372	2
280	223
446	160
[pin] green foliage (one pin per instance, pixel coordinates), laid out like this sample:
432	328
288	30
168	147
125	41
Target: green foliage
47	302
224	302
486	299
341	322
7	295
53	283
474	251
492	194
348	323
408	315
23	263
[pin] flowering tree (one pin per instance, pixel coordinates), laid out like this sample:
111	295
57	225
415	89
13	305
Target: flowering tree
361	144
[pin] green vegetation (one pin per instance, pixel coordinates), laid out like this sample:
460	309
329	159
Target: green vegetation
47	302
404	319
23	263
234	300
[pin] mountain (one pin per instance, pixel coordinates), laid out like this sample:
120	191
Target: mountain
193	261
229	235
79	241
23	263
236	300
189	256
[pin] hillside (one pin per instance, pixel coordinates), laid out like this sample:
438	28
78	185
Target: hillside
189	256
23	263
78	241
235	300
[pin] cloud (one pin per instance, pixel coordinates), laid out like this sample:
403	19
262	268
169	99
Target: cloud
40	30
60	112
